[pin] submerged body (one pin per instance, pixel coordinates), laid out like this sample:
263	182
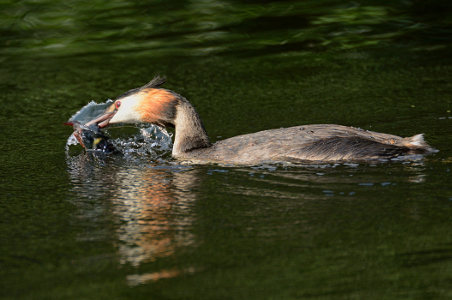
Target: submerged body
319	143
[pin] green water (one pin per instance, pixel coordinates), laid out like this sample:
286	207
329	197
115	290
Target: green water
74	226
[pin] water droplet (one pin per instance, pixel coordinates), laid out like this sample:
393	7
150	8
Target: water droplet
328	192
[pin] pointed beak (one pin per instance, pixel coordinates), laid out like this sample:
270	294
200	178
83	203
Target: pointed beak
104	119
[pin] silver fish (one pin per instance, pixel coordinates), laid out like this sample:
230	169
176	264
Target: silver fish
89	135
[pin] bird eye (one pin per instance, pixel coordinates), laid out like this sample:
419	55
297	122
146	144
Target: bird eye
118	104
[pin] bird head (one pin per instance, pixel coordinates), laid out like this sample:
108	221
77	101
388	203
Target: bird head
147	104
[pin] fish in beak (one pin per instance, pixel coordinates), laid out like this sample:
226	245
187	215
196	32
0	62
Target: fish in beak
92	138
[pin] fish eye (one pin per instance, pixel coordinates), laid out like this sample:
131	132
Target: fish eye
118	104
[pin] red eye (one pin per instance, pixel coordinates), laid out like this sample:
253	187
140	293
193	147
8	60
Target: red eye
118	104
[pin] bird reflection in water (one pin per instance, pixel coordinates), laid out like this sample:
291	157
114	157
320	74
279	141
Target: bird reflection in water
152	206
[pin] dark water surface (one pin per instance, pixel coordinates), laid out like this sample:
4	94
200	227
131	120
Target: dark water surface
142	226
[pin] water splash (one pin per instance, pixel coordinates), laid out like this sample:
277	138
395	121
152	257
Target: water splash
151	140
90	111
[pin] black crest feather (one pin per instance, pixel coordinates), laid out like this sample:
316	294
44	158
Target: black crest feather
156	82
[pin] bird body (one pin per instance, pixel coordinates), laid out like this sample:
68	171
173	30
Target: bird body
315	143
305	143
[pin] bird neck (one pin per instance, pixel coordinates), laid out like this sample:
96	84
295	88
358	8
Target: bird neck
190	133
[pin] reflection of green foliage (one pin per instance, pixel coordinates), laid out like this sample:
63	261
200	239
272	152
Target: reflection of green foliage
196	27
353	26
358	15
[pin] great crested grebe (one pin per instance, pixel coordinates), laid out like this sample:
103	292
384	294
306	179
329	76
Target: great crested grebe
320	142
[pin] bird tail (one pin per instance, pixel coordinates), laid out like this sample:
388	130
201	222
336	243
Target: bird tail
418	144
